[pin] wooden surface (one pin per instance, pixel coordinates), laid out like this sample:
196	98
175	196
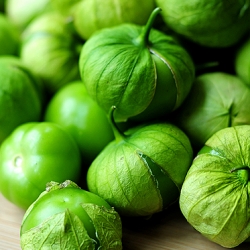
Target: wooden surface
165	231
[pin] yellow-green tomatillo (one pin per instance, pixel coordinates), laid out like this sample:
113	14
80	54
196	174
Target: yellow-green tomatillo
50	48
215	194
140	70
141	172
22	12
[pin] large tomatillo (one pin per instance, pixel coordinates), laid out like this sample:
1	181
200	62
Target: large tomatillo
144	72
141	172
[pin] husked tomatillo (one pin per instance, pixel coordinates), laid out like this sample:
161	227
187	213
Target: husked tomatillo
67	217
141	172
217	24
145	73
215	194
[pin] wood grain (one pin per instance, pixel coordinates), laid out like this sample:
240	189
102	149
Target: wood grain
165	231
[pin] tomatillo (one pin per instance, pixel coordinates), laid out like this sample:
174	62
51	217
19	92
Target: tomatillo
21	95
215	194
32	155
72	108
145	73
216	23
9	37
22	12
92	15
208	109
68	217
141	172
52	38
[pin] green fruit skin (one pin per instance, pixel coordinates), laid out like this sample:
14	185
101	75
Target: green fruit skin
73	109
121	177
32	155
58	201
207	109
67	217
20	95
215	193
218	24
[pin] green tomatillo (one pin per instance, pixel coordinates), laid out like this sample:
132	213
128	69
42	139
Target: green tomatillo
32	155
215	194
145	73
21	95
141	172
92	15
211	23
72	108
22	12
9	37
217	100
67	217
50	48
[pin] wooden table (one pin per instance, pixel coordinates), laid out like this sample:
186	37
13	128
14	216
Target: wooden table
166	231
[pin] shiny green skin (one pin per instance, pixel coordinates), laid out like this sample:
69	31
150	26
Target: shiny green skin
57	201
73	109
220	23
9	37
34	154
208	109
121	67
20	95
51	37
242	62
141	173
215	194
67	217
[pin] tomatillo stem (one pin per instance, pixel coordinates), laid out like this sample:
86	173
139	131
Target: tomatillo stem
119	136
142	39
243	174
